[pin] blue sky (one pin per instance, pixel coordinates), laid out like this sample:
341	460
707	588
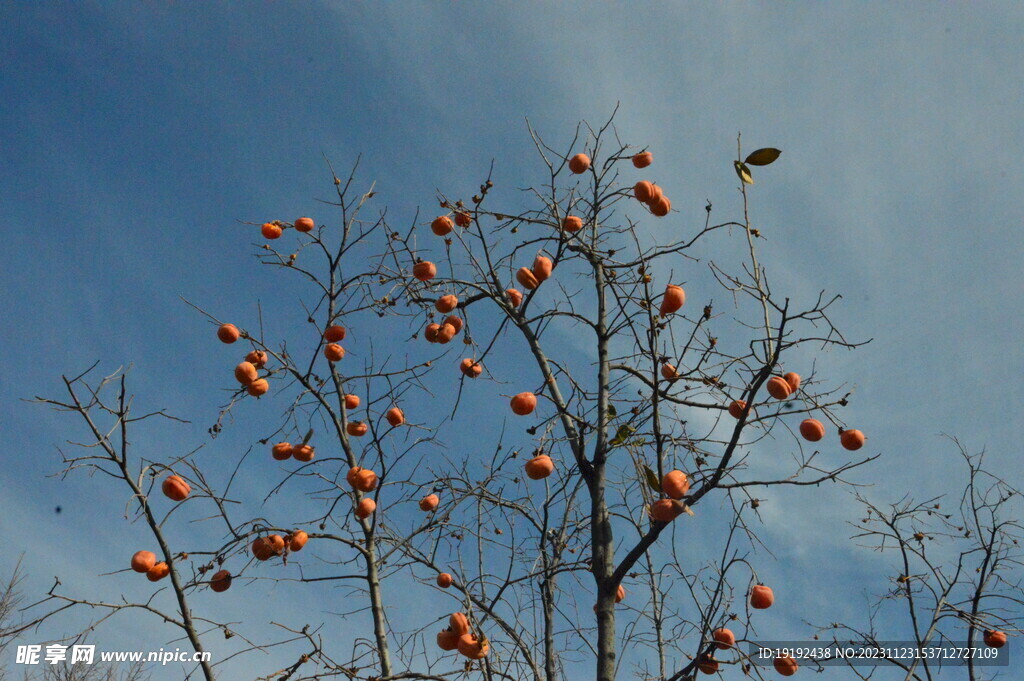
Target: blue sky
135	138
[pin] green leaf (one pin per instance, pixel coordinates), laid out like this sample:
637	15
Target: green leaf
743	171
652	479
612	413
762	157
621	434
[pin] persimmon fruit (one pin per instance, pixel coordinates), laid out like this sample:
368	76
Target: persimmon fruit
673	300
761	597
643	159
524	404
175	488
812	430
142	561
446	304
424	270
852	439
395	417
228	333
539	467
579	164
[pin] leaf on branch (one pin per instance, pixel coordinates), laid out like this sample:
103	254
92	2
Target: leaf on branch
621	434
652	478
688	511
612	412
762	157
743	171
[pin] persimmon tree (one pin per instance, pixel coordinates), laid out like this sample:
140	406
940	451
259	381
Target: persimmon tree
612	393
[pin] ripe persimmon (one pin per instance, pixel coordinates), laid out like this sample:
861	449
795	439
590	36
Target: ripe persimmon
444	580
262	549
441	226
175	488
656	194
356	428
335	333
158	572
793	379
724	638
352	401
707	664
672	301
579	164
362	479
572	223
429	503
661	207
245	373
761	597
668	371
995	639
445	333
515	296
643	191
454	321
282	451
365	508
258	387
675	484
257	358
228	333
446	304
270	231
424	270
447	640
430	332
142	561
778	387
304	225
620	594
220	581
852	439
812	430
458	623
736	408
296	540
395	417
785	665
643	159
276	543
474	647
524	403
542	267
334	352
463	219
470	368
539	467
665	510
303	452
526	278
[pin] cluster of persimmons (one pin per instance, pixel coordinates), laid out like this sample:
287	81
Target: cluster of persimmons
674	485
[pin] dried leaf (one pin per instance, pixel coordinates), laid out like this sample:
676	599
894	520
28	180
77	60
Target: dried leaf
762	157
621	434
743	171
652	478
612	412
688	511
